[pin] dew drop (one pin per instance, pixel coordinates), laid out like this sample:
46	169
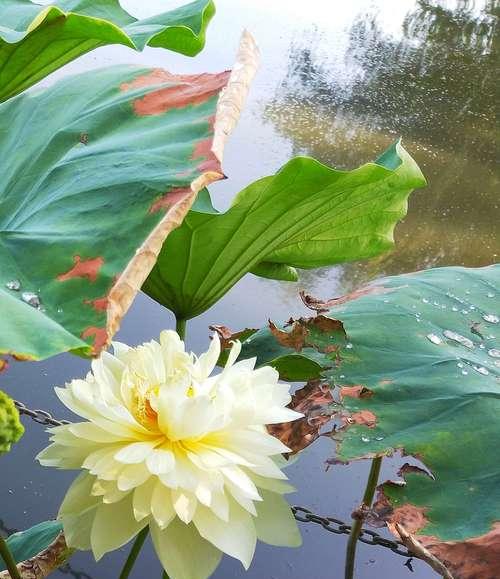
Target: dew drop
481	346
492	318
379	438
349	346
465	312
342	376
60	310
434	339
494	353
454	308
31	299
425	300
490	294
14	285
458	338
365	439
464	372
481	369
460	365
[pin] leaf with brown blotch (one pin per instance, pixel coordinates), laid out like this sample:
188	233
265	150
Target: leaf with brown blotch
419	374
83	220
316	402
475	558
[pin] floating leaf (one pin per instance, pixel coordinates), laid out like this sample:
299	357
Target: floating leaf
37	550
35	40
96	171
307	216
11	428
419	370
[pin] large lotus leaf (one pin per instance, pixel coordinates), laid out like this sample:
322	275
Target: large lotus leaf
35	40
11	428
96	171
307	215
41	548
419	370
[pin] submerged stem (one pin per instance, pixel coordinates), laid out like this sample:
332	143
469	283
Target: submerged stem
180	326
9	560
134	552
371	485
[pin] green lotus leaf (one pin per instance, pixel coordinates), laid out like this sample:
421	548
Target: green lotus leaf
418	369
96	170
307	216
35	40
11	428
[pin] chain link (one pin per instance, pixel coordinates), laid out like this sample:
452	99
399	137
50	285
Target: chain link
338	527
301	514
41	416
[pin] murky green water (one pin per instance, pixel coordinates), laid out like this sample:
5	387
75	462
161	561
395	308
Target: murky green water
338	82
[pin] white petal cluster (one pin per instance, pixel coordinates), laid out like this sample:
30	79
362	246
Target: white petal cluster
166	444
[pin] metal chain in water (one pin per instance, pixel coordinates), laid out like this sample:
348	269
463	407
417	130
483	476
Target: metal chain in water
338	527
330	524
41	416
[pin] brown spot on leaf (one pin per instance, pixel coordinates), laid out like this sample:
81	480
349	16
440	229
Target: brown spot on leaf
363	417
315	401
203	150
357	391
186	90
227	336
410	516
84	139
297	337
3	365
100	338
294	339
88	268
99	304
170	199
477	558
324	305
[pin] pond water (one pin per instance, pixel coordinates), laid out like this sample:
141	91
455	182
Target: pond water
338	81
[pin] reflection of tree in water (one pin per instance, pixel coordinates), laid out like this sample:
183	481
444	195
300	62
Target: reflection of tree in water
436	87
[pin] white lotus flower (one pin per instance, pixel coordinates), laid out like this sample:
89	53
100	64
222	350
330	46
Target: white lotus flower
169	446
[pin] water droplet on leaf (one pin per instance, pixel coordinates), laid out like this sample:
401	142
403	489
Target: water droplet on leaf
31	299
434	339
14	285
458	338
494	353
492	318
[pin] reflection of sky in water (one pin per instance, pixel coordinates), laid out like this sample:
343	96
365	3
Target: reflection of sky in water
452	221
